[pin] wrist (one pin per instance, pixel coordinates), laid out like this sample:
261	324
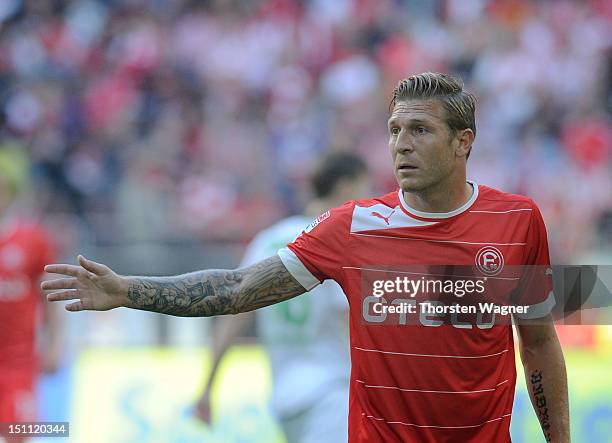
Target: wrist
124	290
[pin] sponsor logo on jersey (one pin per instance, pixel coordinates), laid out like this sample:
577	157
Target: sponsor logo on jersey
379	215
316	222
489	260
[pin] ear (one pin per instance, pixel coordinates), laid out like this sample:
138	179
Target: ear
465	138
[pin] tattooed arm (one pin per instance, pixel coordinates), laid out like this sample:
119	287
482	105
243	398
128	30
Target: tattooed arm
546	377
95	286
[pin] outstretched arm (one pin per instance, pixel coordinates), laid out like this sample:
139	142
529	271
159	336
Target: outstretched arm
95	286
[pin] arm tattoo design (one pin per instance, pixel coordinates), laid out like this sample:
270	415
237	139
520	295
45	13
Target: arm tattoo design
537	389
215	292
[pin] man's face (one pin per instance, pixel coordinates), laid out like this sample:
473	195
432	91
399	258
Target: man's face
423	147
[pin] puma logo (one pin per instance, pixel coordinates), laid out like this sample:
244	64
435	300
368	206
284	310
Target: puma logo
379	215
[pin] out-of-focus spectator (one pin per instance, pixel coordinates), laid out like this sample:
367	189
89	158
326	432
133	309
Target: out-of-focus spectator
29	329
181	119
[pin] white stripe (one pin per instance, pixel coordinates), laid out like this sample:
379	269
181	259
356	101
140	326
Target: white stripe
363	218
501	212
430	355
424	273
541	309
297	269
435	426
439	241
431	391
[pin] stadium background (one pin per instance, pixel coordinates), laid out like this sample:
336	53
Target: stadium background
158	136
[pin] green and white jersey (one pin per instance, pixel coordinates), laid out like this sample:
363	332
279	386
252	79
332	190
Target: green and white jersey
306	337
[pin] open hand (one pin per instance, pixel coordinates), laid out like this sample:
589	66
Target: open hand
94	286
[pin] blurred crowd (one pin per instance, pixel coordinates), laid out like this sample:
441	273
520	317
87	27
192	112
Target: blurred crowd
183	119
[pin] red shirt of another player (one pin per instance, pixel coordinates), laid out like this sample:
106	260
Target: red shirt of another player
24	250
442	380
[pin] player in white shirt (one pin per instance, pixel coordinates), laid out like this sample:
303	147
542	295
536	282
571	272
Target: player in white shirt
306	337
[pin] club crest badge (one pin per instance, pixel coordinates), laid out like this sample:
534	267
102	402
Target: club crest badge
489	260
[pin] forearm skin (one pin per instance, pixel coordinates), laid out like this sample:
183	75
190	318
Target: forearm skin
213	292
546	378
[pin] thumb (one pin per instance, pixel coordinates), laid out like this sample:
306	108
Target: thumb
92	266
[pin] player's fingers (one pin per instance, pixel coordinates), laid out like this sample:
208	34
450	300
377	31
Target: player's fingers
92	266
59	283
72	270
75	307
70	294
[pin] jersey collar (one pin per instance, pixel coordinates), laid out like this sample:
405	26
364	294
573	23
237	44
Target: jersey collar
438	215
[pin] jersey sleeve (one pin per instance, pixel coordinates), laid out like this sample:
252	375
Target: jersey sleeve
319	252
535	287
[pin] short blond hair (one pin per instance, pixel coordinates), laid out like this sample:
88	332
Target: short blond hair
460	105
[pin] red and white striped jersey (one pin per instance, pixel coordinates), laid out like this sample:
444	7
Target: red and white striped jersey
436	381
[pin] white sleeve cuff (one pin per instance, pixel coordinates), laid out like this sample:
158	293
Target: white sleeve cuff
297	269
541	309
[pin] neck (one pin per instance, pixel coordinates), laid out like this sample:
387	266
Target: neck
439	198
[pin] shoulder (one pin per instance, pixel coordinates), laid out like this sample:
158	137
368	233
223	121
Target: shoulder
339	219
346	209
389	199
344	214
293	224
494	200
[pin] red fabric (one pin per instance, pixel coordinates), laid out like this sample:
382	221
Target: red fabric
588	142
24	250
392	364
17	396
